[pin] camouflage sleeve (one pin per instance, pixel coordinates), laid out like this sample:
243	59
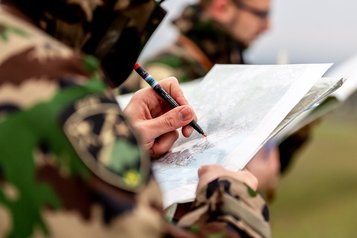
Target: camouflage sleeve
70	163
227	208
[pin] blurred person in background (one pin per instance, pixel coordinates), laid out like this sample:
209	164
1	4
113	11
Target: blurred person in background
71	163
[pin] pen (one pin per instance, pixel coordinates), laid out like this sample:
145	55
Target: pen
165	95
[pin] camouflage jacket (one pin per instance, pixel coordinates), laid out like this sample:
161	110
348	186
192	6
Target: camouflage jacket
72	166
201	43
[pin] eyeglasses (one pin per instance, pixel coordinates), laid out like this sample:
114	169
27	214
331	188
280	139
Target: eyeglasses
258	13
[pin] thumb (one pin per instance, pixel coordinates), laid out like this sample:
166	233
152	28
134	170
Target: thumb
171	120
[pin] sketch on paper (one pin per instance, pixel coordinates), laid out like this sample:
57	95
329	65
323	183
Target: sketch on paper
238	106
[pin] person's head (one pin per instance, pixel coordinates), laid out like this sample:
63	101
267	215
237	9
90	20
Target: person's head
114	31
244	20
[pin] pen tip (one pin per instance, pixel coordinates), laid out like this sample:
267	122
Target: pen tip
136	66
205	135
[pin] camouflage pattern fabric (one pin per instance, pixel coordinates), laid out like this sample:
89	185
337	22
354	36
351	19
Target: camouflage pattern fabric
201	44
71	165
227	202
114	31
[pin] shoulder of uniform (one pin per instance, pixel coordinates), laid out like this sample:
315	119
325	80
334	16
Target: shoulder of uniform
17	35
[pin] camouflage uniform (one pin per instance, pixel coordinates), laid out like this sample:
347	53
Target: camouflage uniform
71	165
200	44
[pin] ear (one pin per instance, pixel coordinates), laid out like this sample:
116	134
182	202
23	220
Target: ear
221	10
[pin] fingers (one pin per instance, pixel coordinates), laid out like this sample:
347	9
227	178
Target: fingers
154	118
164	143
187	131
171	85
149	99
170	121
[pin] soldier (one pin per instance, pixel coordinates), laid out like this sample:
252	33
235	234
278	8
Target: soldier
71	162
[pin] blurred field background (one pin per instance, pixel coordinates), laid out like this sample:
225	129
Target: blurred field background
317	197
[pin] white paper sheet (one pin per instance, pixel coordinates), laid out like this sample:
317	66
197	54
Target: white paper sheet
238	106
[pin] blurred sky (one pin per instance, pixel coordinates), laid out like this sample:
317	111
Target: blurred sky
303	31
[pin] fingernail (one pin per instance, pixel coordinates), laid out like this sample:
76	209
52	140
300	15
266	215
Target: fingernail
185	114
189	130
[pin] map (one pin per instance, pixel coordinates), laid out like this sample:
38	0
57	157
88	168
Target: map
238	107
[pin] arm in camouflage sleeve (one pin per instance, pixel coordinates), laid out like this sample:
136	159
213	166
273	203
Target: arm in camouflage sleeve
48	185
227	206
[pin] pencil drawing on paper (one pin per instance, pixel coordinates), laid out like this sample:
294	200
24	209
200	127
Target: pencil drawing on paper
226	117
237	106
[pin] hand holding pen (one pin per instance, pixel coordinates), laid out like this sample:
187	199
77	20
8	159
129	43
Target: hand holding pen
166	96
155	119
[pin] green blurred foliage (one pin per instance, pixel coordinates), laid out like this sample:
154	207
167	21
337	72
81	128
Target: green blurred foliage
318	196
